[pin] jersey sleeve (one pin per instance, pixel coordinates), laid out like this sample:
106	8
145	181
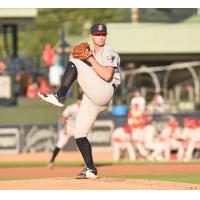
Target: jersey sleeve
111	58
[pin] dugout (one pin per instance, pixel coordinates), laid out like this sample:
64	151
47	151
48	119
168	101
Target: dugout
155	44
179	82
159	57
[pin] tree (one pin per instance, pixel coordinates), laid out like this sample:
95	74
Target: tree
165	14
48	22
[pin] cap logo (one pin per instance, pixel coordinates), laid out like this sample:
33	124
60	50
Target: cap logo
100	27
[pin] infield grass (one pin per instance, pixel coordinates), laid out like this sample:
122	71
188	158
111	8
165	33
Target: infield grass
98	163
181	178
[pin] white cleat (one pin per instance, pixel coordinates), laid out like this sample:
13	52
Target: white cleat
51	98
87	174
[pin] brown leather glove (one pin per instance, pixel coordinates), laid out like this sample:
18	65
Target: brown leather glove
82	51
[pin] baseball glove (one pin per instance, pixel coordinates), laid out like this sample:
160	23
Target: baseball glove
82	51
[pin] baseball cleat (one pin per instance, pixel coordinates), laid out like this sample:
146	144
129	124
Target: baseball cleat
51	98
87	174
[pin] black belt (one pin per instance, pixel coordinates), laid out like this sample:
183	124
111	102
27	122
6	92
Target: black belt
114	86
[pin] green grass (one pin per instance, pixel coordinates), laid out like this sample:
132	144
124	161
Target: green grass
37	164
31	111
179	178
98	163
31	178
193	178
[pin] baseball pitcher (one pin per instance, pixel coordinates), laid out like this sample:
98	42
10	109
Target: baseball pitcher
97	72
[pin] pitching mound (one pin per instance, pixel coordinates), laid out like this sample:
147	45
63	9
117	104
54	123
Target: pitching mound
97	184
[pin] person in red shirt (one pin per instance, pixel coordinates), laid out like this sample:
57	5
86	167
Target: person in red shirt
32	89
44	87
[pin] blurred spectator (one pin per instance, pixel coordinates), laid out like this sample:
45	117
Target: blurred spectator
122	141
152	143
43	86
138	139
191	136
186	92
135	115
171	135
186	131
5	84
129	66
157	104
55	73
3	67
32	89
139	100
22	79
48	54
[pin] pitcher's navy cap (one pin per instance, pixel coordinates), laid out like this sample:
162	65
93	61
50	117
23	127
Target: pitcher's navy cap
99	29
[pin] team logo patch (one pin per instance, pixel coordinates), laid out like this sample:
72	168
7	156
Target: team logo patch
100	27
111	58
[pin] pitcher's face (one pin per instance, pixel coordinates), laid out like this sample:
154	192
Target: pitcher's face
99	40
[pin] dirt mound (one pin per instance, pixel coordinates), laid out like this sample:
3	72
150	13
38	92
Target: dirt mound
97	184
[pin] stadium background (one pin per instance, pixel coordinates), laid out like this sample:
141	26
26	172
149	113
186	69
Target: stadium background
150	53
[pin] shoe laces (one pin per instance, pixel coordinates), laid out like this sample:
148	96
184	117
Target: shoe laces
60	99
84	170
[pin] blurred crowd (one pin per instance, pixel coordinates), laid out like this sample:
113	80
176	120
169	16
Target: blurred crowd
26	84
141	138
